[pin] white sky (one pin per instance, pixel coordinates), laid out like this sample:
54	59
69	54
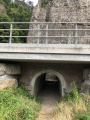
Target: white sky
34	1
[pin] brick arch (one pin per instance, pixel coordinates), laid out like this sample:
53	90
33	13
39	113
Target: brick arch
60	77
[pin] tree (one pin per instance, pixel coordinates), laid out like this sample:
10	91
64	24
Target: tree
6	18
19	11
7	1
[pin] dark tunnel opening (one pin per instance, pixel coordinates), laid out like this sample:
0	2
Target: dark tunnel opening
48	84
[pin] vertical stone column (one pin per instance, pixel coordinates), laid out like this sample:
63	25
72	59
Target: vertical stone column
85	87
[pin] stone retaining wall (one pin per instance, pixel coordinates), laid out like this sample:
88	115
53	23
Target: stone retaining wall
85	87
72	73
9	75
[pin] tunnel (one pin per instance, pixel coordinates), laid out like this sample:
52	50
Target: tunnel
47	83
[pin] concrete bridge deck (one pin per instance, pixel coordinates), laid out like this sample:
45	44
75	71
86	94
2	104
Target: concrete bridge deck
48	41
42	52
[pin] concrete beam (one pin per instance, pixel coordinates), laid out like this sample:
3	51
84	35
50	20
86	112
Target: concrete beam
44	57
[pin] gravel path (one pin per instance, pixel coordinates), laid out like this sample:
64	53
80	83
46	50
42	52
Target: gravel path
49	98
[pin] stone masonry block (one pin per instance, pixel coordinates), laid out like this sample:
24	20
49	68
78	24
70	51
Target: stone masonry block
9	69
85	87
8	81
12	69
2	69
86	74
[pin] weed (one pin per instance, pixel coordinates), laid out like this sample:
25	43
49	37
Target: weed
72	107
18	104
82	116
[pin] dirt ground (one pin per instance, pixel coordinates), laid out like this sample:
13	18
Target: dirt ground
50	97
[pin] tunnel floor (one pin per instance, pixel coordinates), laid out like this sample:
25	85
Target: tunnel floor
50	96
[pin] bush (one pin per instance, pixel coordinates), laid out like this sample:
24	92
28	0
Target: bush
17	104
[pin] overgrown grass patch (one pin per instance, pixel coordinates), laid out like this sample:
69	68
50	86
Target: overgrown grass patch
72	107
18	104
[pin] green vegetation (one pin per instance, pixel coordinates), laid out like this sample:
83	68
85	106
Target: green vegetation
45	3
82	116
1	2
6	2
72	107
18	11
6	18
18	104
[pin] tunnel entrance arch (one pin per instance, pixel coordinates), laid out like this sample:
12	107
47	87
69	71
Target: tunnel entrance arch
36	78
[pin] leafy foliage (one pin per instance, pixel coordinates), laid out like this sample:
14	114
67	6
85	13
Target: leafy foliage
17	104
18	11
6	18
1	2
6	1
82	116
44	3
73	96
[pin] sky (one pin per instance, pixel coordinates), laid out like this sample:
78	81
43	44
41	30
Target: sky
34	1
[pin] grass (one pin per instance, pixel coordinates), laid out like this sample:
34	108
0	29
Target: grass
17	104
72	107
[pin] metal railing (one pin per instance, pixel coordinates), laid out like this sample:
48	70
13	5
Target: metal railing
51	32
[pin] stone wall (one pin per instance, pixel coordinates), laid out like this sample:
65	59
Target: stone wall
85	87
61	11
72	73
25	72
9	75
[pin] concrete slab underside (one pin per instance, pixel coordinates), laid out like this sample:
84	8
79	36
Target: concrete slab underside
45	57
